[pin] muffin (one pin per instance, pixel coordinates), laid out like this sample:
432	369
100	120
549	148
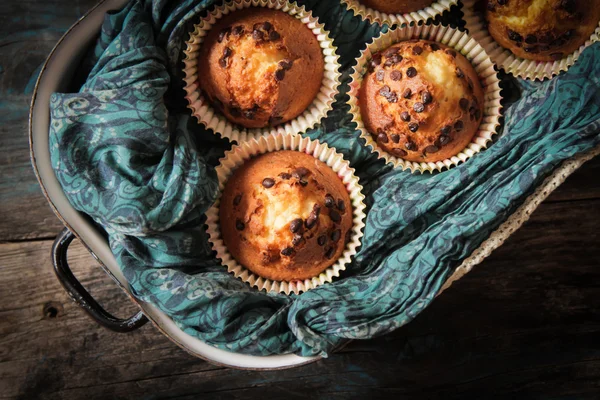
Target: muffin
260	67
396	6
542	30
421	101
285	216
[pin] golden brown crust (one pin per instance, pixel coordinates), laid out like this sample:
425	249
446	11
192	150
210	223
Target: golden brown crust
541	30
260	66
397	6
421	101
260	203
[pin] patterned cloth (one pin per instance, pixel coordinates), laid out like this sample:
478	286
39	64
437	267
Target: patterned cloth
128	154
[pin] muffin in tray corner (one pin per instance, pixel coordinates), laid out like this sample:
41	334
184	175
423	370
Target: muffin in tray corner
421	101
285	216
260	67
541	30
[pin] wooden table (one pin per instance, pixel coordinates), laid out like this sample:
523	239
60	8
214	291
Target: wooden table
524	324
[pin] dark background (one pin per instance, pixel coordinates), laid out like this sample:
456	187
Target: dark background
523	324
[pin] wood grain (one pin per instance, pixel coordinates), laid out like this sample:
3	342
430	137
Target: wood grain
524	324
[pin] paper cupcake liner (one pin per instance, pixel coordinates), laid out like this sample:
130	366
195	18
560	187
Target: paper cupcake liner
468	47
505	59
218	123
237	156
411	18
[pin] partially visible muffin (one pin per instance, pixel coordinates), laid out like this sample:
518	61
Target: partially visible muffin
396	6
542	30
285	216
260	67
421	101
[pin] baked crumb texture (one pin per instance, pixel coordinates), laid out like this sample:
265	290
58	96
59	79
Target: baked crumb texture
421	101
285	216
260	67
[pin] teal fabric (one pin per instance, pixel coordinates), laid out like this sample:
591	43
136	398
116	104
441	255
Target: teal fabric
128	154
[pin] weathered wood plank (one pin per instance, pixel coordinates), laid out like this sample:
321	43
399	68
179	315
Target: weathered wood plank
524	324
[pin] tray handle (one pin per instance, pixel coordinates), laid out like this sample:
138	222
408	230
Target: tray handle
81	296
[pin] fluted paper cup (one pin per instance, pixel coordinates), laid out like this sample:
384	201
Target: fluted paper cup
412	18
236	157
505	59
468	47
208	116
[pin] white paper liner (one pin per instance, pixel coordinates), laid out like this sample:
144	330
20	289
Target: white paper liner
218	123
411	18
274	142
505	59
482	64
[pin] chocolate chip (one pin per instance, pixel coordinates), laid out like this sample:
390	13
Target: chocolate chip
375	61
335	216
434	47
267	25
391	51
297	239
302	182
235	111
405	116
452	52
329	252
514	36
395	138
335	235
418	107
417	50
238	30
410	146
296	224
431	149
286	64
393	60
531	39
459	72
446	129
273	35
258	35
268	182
411	72
463	103
316	209
556	56
223	62
227	52
502	2
310	221
384	91
285	175
279	74
399	152
382	137
407	93
237	199
329	201
321	240
288	251
458	125
275	120
380	75
222	34
443	140
239	225
396	75
300	172
413	127
389	95
341	205
426	98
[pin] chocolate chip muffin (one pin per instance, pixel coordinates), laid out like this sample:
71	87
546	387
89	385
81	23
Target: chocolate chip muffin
396	6
542	30
421	101
285	216
260	67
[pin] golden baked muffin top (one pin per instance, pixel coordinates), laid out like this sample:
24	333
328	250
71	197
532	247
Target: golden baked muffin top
260	66
421	101
542	30
285	215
